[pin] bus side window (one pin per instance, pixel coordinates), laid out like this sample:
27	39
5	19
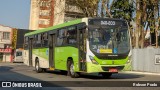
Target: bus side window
60	37
35	40
71	37
44	39
26	43
38	43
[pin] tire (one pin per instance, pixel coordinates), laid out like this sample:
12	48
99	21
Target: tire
71	71
106	75
37	67
63	72
44	70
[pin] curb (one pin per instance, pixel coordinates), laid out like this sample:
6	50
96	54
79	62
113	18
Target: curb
136	72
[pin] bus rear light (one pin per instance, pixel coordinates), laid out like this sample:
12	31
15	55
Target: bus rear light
93	60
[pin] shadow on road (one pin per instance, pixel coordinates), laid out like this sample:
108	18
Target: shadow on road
5	69
99	77
114	76
126	76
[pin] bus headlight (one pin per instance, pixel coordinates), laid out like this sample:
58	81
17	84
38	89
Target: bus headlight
93	60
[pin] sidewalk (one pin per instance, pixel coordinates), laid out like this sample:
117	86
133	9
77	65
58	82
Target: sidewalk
6	63
10	64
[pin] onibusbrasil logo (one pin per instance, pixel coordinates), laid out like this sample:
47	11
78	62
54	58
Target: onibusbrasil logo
21	84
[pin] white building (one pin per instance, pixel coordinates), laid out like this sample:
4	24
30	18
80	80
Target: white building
5	43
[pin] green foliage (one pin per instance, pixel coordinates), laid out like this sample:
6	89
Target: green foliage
122	9
89	7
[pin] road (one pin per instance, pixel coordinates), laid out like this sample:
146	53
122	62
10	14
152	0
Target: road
21	72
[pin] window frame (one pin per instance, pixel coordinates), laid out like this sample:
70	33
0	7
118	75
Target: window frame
6	35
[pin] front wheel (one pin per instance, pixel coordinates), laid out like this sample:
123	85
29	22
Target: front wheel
37	67
71	71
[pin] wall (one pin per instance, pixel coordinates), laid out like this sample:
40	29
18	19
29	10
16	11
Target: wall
6	57
41	14
144	60
59	11
46	13
34	12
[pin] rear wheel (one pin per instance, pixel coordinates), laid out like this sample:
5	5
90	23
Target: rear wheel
106	75
37	67
71	71
44	70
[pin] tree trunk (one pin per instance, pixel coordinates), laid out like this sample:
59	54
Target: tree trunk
156	30
138	21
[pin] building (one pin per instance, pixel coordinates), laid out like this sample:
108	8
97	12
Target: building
46	13
10	40
5	43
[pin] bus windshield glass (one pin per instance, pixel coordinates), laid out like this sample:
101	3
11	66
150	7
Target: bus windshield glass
113	40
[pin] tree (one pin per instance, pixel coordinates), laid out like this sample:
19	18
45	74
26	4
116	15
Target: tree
103	6
146	16
124	9
89	7
152	19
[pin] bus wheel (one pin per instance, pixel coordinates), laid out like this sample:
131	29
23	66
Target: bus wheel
37	68
106	75
63	72
71	71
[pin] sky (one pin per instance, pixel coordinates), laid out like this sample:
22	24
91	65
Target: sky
15	13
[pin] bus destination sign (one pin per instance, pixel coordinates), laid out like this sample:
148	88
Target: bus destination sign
107	22
110	23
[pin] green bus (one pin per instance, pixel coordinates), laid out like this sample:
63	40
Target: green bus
87	45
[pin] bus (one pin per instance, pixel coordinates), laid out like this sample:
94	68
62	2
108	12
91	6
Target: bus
87	45
18	55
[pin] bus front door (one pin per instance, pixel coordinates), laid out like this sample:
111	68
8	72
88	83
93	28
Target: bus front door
51	51
82	49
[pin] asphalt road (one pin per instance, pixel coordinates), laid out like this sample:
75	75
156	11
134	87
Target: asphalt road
21	72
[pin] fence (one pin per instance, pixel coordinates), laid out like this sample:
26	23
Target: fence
146	60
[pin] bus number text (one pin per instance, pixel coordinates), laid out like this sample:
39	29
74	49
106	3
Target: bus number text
108	23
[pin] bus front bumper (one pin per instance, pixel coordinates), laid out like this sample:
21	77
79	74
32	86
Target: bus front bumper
94	68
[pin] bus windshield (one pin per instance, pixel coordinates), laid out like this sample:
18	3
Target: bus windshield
109	40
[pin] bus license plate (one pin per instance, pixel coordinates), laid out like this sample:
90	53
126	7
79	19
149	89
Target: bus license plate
113	70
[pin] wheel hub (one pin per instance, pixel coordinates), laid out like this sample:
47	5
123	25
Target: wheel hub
72	69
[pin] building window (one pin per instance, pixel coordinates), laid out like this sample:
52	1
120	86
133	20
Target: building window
6	35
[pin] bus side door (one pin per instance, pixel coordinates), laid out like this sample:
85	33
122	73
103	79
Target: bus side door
51	51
